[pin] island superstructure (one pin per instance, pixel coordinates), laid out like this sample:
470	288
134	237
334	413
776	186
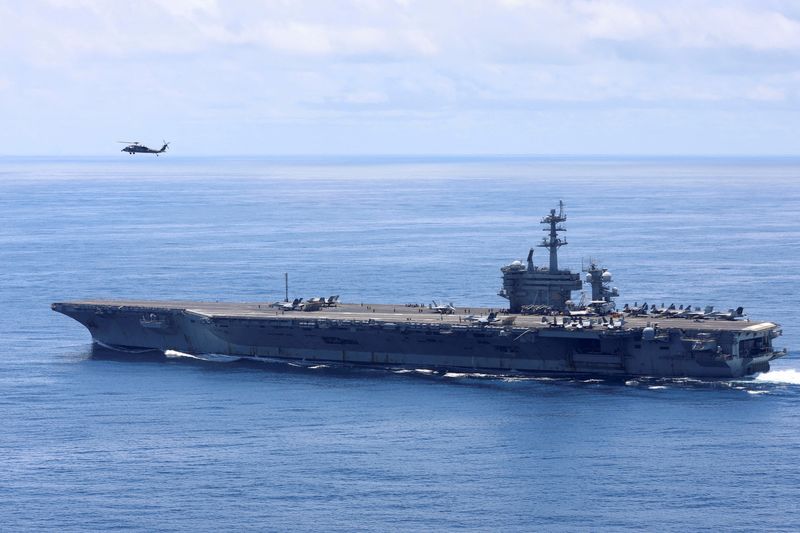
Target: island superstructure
543	331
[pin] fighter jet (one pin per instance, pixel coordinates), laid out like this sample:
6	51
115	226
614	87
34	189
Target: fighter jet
444	309
490	319
730	314
287	306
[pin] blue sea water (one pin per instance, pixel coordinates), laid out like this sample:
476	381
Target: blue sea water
187	444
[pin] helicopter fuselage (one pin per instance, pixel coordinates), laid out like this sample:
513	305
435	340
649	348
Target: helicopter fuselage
136	148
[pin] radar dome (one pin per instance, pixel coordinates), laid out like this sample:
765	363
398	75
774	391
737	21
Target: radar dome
588	277
606	276
516	263
648	333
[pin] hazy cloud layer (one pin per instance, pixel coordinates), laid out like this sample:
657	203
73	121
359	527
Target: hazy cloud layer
402	76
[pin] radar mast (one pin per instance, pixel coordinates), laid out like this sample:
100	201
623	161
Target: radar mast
553	242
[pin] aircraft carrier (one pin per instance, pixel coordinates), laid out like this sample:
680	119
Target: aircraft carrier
543	331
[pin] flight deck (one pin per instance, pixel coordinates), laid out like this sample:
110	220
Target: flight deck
404	313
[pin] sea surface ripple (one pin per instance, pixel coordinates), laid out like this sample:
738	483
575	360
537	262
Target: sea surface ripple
187	443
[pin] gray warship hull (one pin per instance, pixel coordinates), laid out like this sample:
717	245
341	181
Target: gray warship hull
565	338
401	336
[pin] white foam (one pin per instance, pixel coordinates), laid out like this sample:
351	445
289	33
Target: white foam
758	392
790	376
656	387
176	354
514	379
455	375
219	358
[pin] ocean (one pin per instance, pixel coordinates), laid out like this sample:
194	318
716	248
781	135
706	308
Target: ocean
193	444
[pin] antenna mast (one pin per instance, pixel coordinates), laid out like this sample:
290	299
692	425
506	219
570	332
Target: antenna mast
553	242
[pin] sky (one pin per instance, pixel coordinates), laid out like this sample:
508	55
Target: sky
289	77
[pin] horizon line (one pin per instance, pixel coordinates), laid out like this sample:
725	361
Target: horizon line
411	155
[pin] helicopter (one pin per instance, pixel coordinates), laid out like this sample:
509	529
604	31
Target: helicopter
135	147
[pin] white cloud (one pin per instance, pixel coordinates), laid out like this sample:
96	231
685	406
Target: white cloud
324	40
729	27
189	8
465	29
617	21
366	97
766	93
217	62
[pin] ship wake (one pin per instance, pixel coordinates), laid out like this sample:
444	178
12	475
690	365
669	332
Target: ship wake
789	376
214	358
